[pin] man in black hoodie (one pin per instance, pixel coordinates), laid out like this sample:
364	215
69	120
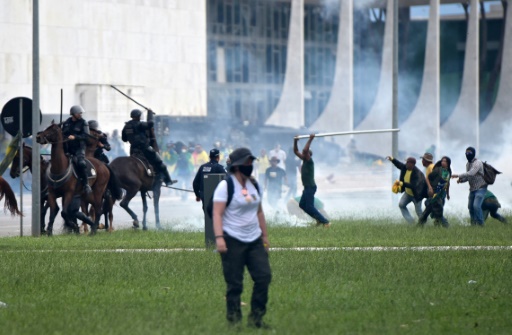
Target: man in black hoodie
413	186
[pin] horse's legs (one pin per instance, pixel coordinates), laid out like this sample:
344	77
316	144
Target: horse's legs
156	199
124	204
70	207
54	209
110	212
144	210
84	208
73	210
105	207
44	210
98	209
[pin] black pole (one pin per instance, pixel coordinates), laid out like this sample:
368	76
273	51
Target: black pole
61	106
129	97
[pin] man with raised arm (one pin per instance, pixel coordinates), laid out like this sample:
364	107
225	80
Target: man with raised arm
307	170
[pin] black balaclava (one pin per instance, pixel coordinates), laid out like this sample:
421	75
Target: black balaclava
470	153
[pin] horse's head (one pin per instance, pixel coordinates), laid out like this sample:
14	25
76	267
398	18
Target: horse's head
27	162
52	134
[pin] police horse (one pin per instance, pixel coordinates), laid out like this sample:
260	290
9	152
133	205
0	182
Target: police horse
135	175
63	183
27	164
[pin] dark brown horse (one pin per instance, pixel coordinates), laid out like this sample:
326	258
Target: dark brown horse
134	178
63	183
27	163
10	204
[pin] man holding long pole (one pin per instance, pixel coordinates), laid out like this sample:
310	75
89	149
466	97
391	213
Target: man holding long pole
307	201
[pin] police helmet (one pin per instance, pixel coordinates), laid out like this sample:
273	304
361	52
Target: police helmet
135	113
76	109
93	124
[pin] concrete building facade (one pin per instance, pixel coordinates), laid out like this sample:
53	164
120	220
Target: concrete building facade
154	50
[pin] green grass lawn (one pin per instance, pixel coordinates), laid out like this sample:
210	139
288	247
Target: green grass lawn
64	285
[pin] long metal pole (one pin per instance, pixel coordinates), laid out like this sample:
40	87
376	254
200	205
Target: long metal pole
355	132
20	152
36	160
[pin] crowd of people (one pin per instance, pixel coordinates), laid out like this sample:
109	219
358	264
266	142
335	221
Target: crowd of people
434	187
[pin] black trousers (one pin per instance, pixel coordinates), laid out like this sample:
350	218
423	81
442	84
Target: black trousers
255	257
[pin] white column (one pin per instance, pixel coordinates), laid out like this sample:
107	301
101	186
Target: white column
495	130
380	115
339	111
461	129
422	127
289	111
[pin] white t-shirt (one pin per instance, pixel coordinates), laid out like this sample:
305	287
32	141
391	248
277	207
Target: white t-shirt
280	154
240	219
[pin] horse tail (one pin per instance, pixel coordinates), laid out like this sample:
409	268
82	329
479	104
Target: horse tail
10	204
114	185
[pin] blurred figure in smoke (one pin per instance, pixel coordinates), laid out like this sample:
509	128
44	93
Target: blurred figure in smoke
307	171
274	177
223	152
262	164
170	156
199	156
413	186
184	169
477	185
491	206
280	154
117	145
292	166
440	179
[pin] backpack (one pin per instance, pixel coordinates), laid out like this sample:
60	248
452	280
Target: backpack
231	190
490	173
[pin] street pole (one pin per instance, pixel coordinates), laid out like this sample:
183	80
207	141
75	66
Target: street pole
20	153
36	160
394	122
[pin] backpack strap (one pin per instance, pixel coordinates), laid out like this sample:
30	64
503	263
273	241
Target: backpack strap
231	189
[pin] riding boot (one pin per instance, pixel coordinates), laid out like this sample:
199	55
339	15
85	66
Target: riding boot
166	176
85	182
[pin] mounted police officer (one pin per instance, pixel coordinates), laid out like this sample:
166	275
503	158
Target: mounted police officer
136	131
212	166
76	130
102	142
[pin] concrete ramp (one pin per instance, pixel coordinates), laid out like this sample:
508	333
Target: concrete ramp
380	115
289	111
496	129
461	128
339	112
422	127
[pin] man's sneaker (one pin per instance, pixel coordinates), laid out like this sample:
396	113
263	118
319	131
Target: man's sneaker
325	225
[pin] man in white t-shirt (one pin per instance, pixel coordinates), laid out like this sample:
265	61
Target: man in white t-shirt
280	154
